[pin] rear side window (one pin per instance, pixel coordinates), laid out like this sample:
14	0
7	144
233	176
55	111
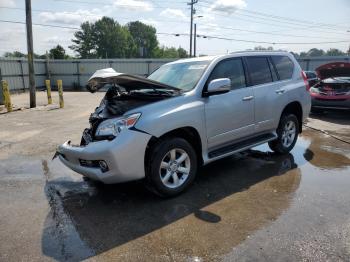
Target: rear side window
232	69
284	66
259	70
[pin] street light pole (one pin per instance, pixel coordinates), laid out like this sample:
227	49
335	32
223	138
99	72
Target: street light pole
32	95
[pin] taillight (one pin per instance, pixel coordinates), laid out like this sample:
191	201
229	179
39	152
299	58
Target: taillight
303	75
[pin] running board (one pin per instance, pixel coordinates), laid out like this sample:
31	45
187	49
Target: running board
241	146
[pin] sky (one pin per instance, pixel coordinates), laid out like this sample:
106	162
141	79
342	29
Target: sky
295	25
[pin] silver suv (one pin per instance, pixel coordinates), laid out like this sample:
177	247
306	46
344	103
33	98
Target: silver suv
189	113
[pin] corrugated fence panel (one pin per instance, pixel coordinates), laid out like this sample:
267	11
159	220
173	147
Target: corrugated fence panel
313	62
75	73
11	72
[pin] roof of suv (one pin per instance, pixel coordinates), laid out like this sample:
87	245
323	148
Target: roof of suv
233	54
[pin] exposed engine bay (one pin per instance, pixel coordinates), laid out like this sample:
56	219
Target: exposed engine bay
125	92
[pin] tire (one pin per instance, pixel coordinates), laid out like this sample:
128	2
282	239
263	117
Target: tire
172	167
286	141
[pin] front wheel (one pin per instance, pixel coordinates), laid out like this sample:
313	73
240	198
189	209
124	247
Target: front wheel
287	132
172	167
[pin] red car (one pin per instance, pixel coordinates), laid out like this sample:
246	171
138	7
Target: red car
333	90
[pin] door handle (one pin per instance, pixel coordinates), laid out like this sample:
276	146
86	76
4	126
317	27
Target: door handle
280	91
247	98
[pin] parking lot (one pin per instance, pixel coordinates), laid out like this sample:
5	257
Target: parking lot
252	206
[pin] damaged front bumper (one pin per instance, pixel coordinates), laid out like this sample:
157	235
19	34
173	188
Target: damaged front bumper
115	161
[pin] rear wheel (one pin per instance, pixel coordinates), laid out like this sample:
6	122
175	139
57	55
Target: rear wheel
287	132
172	167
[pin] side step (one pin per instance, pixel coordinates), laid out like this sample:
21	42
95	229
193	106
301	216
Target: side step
243	145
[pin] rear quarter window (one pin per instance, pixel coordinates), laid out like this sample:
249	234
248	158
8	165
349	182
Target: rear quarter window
284	66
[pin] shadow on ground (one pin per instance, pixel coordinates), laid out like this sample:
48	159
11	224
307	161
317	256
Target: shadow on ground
105	217
340	117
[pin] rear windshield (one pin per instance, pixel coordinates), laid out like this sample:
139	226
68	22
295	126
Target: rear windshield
284	66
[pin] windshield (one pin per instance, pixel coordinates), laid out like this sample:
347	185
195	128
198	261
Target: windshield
181	75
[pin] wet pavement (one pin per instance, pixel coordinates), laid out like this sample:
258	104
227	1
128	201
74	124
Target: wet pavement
254	206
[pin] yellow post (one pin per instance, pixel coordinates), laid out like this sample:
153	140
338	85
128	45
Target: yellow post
48	91
7	98
60	92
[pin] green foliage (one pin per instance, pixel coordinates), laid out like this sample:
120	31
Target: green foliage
144	37
57	52
106	38
170	52
84	42
15	54
335	52
112	40
261	48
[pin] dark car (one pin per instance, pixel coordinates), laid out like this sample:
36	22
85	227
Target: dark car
333	89
312	78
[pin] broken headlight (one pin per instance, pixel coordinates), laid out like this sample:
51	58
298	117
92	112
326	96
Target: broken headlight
110	128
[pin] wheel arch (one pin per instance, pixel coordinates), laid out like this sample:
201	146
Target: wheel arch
296	109
190	134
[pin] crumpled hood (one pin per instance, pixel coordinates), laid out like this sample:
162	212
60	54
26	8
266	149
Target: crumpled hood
336	69
129	82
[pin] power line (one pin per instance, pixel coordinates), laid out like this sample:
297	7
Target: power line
285	24
170	21
279	17
205	36
257	42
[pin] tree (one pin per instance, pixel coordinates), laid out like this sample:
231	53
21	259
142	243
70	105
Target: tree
261	48
15	54
170	52
105	38
315	52
145	38
57	52
84	42
182	52
113	40
335	52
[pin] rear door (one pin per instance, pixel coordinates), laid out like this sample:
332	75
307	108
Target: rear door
271	80
262	79
229	116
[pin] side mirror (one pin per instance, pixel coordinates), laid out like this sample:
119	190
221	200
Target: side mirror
218	86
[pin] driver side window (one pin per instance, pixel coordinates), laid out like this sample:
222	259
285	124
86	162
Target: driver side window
232	69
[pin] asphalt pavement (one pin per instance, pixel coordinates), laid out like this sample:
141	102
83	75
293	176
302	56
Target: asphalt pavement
253	206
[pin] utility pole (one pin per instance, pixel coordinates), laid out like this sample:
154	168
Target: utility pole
30	54
193	11
195	41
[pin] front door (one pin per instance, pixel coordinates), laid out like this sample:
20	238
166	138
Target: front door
229	116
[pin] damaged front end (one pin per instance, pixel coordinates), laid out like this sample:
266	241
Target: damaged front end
100	156
125	92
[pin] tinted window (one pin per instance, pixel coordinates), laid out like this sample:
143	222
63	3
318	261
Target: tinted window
273	71
259	70
310	75
232	69
284	66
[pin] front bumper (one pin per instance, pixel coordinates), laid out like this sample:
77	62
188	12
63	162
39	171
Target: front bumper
323	102
124	156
